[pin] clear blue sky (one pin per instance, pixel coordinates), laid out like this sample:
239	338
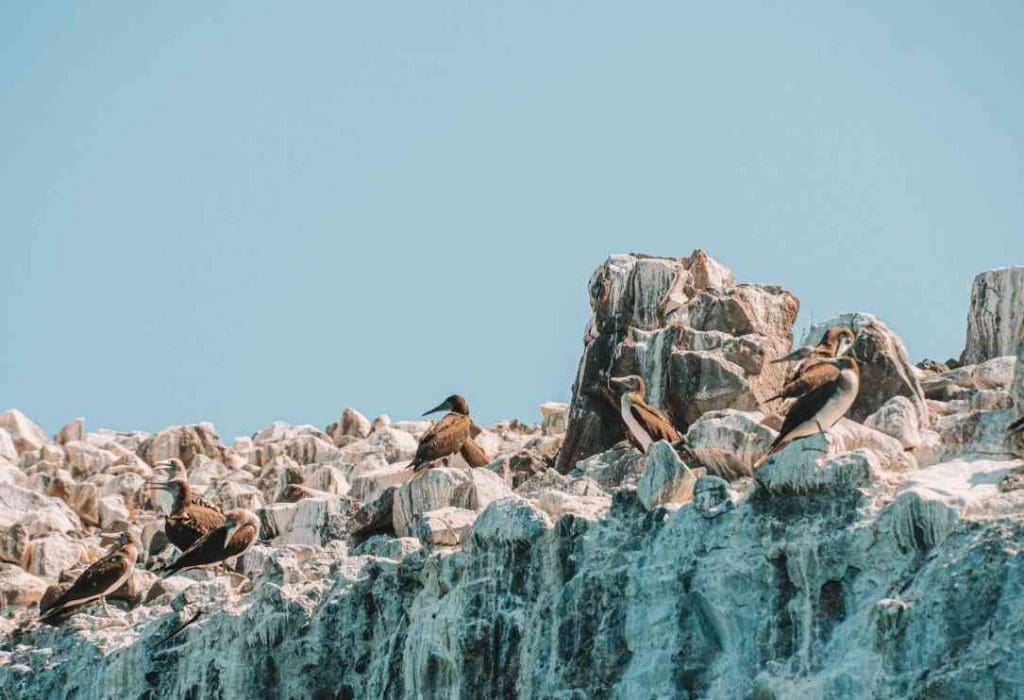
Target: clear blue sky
249	211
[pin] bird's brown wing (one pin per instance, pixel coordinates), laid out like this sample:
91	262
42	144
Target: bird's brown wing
473	454
193	522
804	409
208	549
656	423
812	377
241	540
444	438
95	580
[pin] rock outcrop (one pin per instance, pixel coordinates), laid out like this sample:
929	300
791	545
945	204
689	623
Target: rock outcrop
995	322
700	341
879	560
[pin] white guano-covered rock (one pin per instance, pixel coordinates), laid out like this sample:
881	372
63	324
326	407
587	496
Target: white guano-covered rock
27	435
447	526
898	419
995	322
472	489
396	445
813	465
38	513
666	479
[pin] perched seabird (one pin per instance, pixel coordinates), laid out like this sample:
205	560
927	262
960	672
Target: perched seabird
832	387
101	578
836	341
446	436
190	517
175	471
239	531
644	424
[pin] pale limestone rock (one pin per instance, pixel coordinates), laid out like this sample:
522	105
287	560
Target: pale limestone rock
381	421
472	489
665	479
558	503
352	423
75	430
232	494
995	322
85	458
184	442
369	485
7	449
14	545
18	587
303	448
38	513
547	480
52	554
448	526
897	418
328	479
555	417
374	516
112	509
814	464
728	443
396	445
27	435
890	454
620	466
10	474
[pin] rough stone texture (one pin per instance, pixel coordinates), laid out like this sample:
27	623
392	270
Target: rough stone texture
847	567
729	443
26	435
18	587
995	322
885	367
700	341
666	479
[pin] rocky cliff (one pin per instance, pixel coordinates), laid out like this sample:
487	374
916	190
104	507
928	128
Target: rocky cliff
881	560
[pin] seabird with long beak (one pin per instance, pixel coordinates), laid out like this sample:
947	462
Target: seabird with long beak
447	436
102	578
190	517
644	424
835	386
836	341
239	531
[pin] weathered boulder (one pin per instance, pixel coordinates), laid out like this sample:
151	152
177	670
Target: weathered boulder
14	545
396	445
898	419
75	430
812	465
351	424
558	503
729	443
52	554
622	465
666	479
376	516
885	368
8	451
995	322
18	587
446	526
700	341
27	435
38	513
711	497
555	417
436	488
182	442
368	485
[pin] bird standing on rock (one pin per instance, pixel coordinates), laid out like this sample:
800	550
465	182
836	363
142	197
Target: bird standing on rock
836	341
191	517
102	578
239	531
643	423
830	388
447	436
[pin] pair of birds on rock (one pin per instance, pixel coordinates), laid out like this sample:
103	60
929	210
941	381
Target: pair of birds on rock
199	529
824	382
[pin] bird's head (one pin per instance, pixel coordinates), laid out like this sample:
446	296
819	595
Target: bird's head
456	403
839	339
630	384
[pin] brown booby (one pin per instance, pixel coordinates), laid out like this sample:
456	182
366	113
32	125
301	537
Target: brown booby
239	531
836	341
643	423
446	436
176	472
190	517
831	388
100	579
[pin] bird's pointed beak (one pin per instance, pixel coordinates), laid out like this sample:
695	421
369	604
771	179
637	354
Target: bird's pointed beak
617	381
443	406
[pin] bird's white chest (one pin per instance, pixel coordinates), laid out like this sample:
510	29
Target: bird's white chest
632	424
